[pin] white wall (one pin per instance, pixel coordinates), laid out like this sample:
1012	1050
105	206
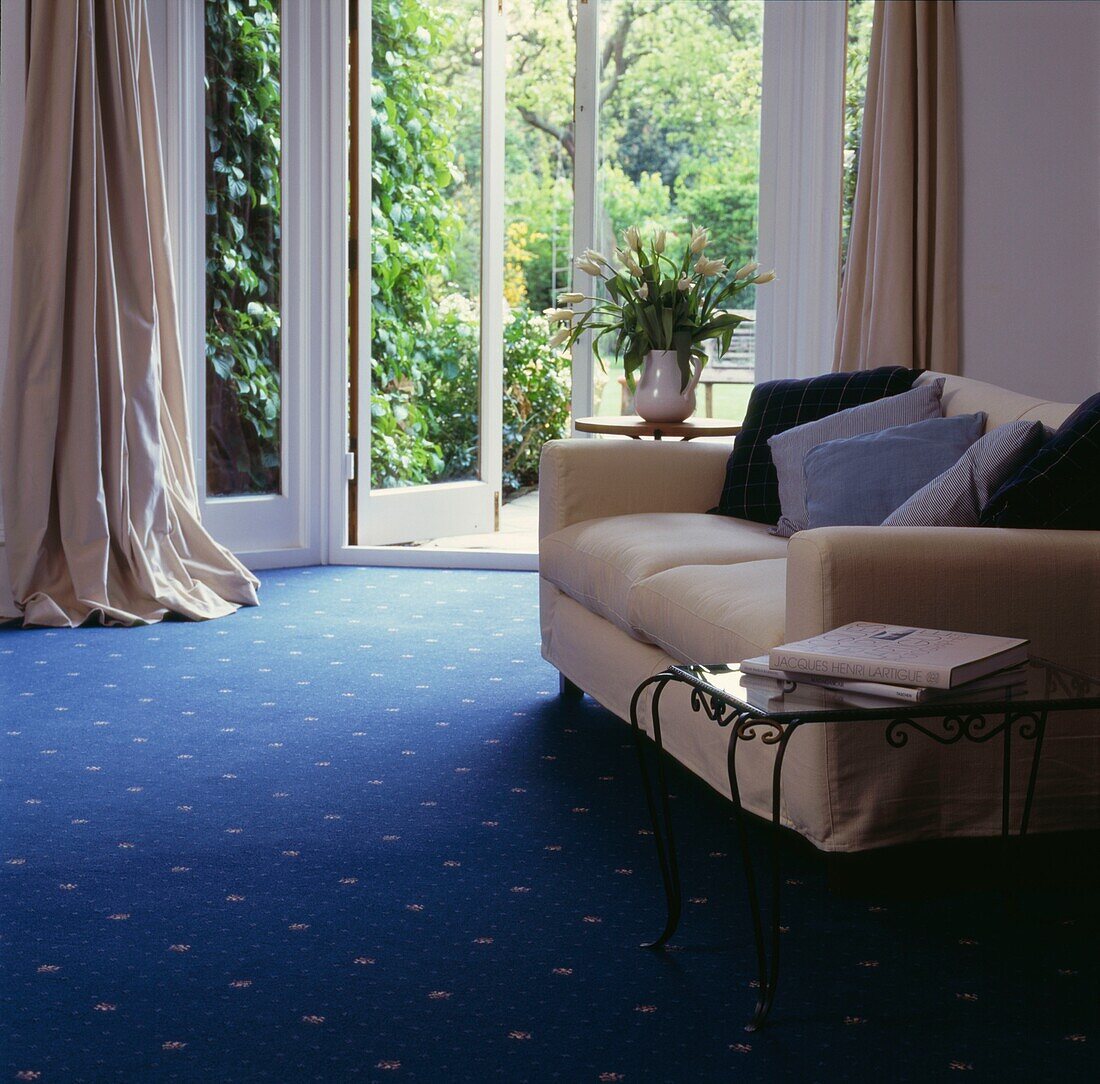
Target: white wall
1029	130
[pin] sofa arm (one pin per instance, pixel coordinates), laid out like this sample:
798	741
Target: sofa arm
1043	585
585	479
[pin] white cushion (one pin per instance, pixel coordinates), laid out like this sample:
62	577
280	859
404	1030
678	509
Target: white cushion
713	613
599	561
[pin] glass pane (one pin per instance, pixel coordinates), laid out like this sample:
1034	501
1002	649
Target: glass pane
425	241
243	247
680	147
538	232
860	13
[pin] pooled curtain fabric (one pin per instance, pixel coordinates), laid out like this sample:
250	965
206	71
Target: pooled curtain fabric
99	493
899	301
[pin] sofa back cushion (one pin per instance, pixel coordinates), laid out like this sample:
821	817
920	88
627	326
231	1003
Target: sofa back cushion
961	395
751	489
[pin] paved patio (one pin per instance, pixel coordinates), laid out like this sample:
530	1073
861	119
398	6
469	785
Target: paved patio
519	531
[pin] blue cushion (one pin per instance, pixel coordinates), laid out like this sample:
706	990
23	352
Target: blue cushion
1060	485
789	449
751	489
956	497
860	480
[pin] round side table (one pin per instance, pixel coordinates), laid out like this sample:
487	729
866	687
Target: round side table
630	425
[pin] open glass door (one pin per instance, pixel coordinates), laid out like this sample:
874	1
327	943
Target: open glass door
251	410
427	256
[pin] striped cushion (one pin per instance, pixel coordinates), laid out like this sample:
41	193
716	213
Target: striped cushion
956	497
751	489
1060	485
789	449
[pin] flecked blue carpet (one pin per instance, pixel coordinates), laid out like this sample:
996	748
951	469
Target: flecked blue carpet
353	834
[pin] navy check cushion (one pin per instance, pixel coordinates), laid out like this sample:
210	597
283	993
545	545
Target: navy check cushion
751	489
1060	485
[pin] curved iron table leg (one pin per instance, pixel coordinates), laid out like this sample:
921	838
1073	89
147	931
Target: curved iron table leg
1040	720
1006	778
670	839
746	862
1010	877
1008	883
661	822
764	1006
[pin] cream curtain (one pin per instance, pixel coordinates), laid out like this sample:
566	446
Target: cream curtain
899	301
99	493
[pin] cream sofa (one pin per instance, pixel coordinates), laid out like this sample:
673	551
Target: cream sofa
634	575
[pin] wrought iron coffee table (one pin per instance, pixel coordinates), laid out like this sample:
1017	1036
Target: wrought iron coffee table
751	709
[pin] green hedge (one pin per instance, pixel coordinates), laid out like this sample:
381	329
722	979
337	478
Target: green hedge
536	391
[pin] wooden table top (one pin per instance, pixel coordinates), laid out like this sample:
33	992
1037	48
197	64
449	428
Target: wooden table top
630	425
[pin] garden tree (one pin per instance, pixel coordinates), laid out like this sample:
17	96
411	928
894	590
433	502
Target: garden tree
542	48
667	119
695	99
242	246
673	35
539	226
723	197
536	390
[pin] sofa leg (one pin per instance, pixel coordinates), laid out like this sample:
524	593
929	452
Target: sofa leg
568	692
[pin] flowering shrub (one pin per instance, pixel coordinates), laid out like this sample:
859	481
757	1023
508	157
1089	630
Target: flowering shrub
536	391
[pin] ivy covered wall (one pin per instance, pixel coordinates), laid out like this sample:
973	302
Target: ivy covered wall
243	246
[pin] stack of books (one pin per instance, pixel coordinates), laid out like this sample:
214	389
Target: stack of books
869	661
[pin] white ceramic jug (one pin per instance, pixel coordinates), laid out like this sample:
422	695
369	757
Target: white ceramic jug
658	397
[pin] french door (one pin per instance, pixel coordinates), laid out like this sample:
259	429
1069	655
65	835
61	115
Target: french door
426	465
242	143
315	445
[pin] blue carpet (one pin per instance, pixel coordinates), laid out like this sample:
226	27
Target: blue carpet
352	834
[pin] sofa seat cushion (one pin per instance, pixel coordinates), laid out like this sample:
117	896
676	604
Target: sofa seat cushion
598	561
713	613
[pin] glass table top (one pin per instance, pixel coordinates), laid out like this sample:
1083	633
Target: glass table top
1039	686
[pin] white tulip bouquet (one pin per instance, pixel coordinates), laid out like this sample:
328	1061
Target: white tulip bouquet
654	302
